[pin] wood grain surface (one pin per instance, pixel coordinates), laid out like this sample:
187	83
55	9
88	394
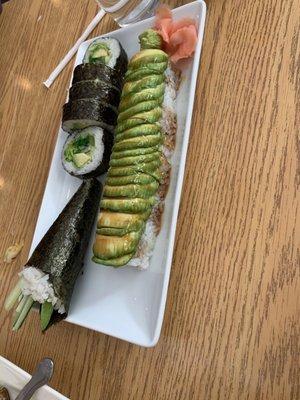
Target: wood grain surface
232	322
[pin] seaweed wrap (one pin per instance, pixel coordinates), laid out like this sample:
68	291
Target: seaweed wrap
49	276
82	113
86	153
86	72
95	89
107	51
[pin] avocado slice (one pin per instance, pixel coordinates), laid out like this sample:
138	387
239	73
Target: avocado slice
147	56
118	231
147	168
146	117
149	69
131	191
147	82
138	131
134	152
144	158
114	246
155	93
141	142
139	108
130	222
138	178
114	262
133	205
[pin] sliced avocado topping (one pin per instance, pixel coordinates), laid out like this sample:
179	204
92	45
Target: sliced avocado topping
145	129
114	262
139	108
131	191
149	69
132	205
146	117
138	178
138	142
144	83
156	93
115	246
134	160
119	231
147	168
135	152
150	39
132	222
79	151
147	56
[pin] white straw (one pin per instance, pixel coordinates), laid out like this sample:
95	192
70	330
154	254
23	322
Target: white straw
74	49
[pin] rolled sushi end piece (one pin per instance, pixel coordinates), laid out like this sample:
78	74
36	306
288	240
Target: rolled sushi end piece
107	51
86	153
50	274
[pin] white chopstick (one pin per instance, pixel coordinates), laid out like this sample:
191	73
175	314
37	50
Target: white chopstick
74	49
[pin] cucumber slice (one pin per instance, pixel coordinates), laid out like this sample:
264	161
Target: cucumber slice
46	313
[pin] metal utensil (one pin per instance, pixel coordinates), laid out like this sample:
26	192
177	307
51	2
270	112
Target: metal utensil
41	376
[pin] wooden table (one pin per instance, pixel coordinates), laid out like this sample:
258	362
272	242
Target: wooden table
231	328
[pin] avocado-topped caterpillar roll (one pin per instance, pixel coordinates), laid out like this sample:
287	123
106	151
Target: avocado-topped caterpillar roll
49	276
138	177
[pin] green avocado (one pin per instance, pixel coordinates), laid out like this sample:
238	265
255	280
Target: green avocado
117	220
147	56
146	117
137	131
125	161
133	205
114	262
150	39
119	231
134	152
150	69
147	168
115	246
138	178
147	82
139	108
138	143
156	93
131	191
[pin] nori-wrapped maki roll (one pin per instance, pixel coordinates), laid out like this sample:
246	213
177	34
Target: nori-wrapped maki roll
107	51
82	113
50	274
87	72
86	153
95	89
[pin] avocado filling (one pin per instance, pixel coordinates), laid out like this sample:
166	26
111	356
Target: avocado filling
99	52
80	150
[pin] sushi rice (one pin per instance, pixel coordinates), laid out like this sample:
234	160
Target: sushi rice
36	284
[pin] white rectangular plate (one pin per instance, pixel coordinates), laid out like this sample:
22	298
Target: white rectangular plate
14	379
127	303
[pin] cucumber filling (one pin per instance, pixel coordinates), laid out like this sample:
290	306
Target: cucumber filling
99	52
80	150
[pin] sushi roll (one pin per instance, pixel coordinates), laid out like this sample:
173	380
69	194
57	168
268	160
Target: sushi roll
50	274
86	153
82	113
87	72
95	89
107	51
